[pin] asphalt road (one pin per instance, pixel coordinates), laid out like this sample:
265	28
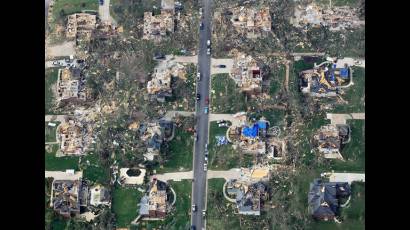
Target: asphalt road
204	66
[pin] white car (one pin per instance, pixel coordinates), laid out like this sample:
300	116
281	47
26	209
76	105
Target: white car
198	76
208	43
205	167
206	158
208	51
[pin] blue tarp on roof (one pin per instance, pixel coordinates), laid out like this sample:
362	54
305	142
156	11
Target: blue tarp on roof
344	73
250	132
262	124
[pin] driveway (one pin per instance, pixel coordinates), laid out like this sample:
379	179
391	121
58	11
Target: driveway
104	12
228	62
234	173
171	114
60	175
336	118
236	120
64	49
175	176
346	177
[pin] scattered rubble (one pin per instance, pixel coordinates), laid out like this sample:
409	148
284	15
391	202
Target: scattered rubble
330	138
247	73
251	22
249	196
155	204
80	26
157	26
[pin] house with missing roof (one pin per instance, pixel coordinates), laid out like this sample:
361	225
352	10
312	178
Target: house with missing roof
154	204
248	196
324	198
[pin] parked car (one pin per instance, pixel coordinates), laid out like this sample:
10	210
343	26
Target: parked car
56	63
159	56
206	147
203	212
196	136
193	227
220	125
207	100
198	96
208	51
206	110
101	2
193	208
201	27
205	167
220	121
221	66
206	158
198	76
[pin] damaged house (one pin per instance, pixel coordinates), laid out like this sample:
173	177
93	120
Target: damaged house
67	196
336	18
246	73
154	134
70	85
157	26
330	138
74	137
80	26
99	195
324	199
154	203
251	22
249	137
325	80
159	87
248	197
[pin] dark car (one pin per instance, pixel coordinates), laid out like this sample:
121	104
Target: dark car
198	97
201	27
221	66
159	56
207	100
193	227
101	2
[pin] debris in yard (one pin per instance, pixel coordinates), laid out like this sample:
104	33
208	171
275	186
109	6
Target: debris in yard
221	140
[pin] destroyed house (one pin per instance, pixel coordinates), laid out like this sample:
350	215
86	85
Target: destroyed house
324	198
99	195
70	84
159	86
67	197
154	134
80	26
71	138
324	80
247	74
250	21
154	204
248	197
331	137
156	26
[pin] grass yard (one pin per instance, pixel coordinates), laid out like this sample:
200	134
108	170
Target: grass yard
95	171
180	152
227	97
183	95
220	213
50	81
53	163
62	8
355	94
124	205
353	215
50	132
221	157
277	80
354	151
179	218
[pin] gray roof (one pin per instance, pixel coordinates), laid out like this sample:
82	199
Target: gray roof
144	207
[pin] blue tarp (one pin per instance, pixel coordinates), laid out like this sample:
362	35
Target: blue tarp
344	73
262	124
250	132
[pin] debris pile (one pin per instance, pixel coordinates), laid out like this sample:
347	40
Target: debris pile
221	140
251	22
246	73
70	85
337	18
157	26
160	85
80	26
330	138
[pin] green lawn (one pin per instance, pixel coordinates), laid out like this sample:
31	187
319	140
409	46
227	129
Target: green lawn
354	95
95	171
221	157
227	97
124	205
53	163
354	151
179	218
180	152
50	81
50	132
62	8
353	215
277	80
220	213
184	91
